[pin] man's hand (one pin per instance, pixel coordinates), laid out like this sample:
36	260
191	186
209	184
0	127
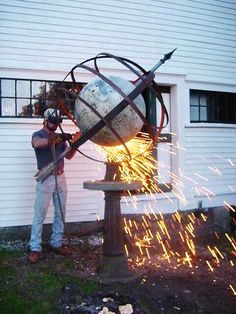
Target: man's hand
53	138
65	136
73	150
75	137
57	138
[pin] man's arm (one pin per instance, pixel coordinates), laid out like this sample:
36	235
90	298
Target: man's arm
40	142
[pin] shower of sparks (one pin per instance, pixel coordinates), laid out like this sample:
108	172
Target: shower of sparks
144	167
172	240
141	166
156	240
163	238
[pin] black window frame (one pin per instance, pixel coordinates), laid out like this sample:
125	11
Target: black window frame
218	107
31	101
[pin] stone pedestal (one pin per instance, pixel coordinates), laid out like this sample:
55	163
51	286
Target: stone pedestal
113	262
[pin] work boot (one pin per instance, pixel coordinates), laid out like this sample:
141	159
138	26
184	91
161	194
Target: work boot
63	250
34	257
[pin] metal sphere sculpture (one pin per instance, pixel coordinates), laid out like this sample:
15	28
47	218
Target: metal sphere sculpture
111	110
102	97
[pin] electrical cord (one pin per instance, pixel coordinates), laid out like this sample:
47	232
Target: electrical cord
79	151
53	149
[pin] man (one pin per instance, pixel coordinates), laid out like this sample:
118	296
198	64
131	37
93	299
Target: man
48	145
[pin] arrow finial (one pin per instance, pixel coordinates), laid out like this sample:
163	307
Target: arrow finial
166	57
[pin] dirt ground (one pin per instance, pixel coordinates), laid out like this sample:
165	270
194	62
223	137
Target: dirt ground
175	269
170	289
173	288
178	278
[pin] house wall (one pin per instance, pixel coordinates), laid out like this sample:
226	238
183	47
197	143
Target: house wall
210	165
55	36
45	39
209	158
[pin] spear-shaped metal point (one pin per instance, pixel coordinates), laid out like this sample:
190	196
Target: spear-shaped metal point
166	57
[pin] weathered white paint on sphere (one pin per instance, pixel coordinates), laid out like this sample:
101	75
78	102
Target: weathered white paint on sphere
103	98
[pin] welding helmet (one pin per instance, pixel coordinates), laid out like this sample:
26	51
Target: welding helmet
52	115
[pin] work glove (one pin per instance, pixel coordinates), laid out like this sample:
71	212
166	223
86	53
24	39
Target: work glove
73	150
75	137
55	138
52	138
65	136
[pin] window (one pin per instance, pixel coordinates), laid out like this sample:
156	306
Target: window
212	107
30	98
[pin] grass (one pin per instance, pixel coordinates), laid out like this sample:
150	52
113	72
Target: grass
35	289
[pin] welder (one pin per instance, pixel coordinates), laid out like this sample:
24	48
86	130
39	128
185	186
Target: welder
48	145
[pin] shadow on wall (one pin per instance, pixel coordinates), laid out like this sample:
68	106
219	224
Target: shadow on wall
224	218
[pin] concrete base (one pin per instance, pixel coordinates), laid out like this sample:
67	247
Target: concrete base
115	269
102	185
221	217
113	266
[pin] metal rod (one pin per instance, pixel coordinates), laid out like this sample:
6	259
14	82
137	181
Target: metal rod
166	57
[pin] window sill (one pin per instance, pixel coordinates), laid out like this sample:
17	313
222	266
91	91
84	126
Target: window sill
21	120
210	125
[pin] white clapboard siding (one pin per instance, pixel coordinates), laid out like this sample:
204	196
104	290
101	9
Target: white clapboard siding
17	182
33	33
159	204
210	164
45	39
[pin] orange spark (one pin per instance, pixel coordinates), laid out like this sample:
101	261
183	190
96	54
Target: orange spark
233	290
229	206
145	221
188	259
147	252
219	253
139	246
231	241
204	217
135	224
213	254
191	246
209	265
126	250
